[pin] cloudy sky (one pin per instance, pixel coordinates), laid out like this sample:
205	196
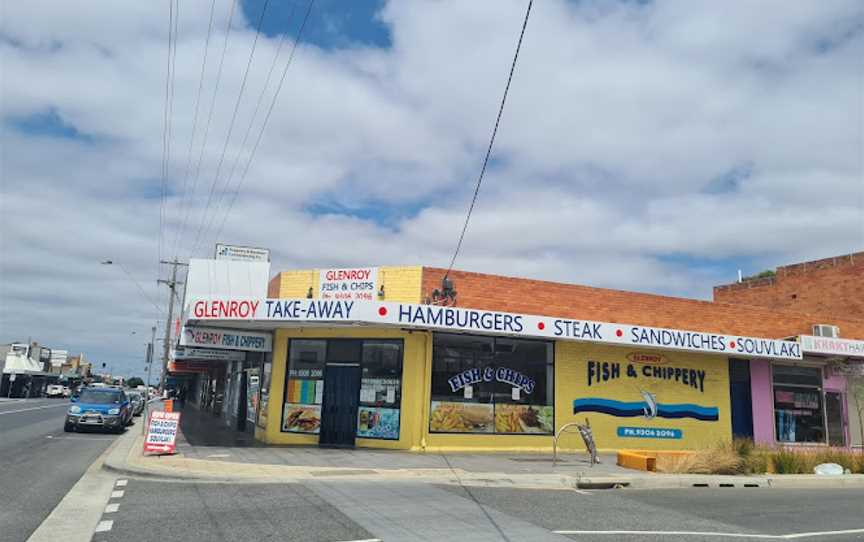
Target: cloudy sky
657	146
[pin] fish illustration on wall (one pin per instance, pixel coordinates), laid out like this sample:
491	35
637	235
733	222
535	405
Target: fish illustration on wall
648	409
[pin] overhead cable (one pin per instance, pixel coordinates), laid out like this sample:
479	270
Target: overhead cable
183	196
266	118
209	120
219	197
491	141
231	124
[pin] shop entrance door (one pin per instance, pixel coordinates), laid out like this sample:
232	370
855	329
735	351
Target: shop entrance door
834	417
741	398
339	410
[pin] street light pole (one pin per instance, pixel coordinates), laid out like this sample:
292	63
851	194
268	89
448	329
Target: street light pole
149	361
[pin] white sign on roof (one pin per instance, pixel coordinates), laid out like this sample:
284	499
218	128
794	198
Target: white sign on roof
241	254
491	322
831	347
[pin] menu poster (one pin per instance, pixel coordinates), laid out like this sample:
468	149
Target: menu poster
375	422
301	418
451	417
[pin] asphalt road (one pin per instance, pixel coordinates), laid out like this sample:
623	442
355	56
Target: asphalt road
339	511
39	463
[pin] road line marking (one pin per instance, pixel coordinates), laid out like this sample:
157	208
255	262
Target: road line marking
582	491
790	536
104	525
122	483
31	408
78	438
823	533
674	533
365	540
117	494
111	508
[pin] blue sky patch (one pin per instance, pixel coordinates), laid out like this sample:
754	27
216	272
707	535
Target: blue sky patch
47	124
333	24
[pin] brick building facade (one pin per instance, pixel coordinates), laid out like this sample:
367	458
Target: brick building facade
833	288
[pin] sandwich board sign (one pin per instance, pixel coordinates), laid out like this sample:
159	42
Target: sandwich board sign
162	432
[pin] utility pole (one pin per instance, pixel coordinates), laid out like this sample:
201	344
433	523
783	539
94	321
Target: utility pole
172	286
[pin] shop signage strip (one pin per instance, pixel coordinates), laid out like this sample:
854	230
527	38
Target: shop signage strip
230	339
481	321
811	344
191	353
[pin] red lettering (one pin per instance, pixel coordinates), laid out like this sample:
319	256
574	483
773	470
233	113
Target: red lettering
199	309
254	306
232	309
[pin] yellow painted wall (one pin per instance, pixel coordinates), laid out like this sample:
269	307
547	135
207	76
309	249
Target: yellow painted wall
400	283
413	371
571	382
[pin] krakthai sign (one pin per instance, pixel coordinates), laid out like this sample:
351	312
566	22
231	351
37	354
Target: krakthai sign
827	346
434	317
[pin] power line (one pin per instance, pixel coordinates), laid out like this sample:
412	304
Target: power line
491	140
266	118
184	197
261	95
171	109
162	190
231	124
209	119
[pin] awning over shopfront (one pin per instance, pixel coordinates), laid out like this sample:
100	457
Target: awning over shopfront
269	314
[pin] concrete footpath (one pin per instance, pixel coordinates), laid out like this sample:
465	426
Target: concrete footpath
200	459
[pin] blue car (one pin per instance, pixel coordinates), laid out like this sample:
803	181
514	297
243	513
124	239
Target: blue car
99	408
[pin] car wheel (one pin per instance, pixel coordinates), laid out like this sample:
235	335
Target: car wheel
68	427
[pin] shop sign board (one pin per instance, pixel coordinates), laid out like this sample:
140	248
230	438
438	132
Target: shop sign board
351	284
211	354
811	344
189	366
231	339
241	254
162	432
337	311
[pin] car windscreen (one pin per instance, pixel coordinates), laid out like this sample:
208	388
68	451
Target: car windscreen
99	396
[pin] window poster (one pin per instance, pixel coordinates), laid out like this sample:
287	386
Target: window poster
453	417
523	418
375	422
301	418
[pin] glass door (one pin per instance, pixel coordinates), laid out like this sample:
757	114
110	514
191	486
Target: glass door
834	418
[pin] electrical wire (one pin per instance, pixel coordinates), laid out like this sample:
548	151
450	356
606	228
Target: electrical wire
261	95
170	141
159	309
184	197
491	141
162	188
266	118
209	119
231	124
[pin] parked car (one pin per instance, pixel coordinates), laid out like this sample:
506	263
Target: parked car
99	408
137	402
54	391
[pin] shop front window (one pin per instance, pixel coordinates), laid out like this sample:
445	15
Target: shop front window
378	413
799	412
491	385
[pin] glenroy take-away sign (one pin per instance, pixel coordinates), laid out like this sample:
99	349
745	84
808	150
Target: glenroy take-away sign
298	311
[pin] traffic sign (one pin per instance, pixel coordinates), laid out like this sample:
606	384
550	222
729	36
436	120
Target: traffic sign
162	432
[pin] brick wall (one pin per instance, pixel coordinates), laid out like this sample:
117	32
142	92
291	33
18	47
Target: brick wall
493	292
833	287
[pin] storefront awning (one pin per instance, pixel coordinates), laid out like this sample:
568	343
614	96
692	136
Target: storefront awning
270	314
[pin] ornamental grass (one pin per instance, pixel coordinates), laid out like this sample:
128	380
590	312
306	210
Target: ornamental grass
742	456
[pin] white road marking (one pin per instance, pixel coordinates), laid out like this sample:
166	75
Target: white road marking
122	483
78	438
111	508
790	536
117	494
31	408
104	525
581	491
365	540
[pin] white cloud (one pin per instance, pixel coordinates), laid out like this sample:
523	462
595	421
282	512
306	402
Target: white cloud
611	167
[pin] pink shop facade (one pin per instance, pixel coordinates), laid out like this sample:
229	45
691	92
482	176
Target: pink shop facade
811	402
